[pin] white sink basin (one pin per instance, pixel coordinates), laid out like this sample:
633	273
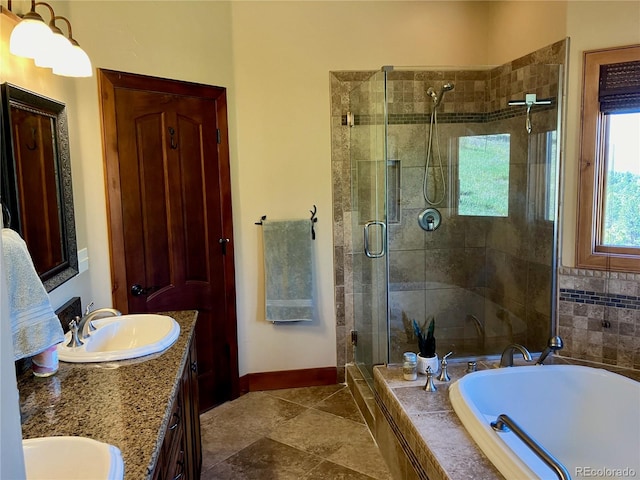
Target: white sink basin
122	337
71	458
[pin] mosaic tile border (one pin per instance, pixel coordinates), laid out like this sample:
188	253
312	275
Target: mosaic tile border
630	302
582	272
424	118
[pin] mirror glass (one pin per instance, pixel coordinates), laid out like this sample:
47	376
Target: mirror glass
36	182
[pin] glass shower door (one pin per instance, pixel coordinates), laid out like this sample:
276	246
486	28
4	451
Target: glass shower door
368	222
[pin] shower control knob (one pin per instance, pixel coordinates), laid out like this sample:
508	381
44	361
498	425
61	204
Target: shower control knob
429	220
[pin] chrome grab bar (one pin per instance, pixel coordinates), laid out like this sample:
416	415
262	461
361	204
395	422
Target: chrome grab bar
504	423
383	227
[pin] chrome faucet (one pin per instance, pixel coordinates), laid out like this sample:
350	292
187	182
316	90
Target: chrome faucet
73	328
429	386
444	376
85	327
554	344
507	355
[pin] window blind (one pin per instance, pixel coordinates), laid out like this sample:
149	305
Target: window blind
619	89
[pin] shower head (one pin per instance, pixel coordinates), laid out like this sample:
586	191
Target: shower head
447	87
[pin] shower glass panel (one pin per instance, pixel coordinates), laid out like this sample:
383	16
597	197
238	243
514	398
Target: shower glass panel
487	272
369	222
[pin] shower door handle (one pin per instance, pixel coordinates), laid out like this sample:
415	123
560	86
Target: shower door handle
383	229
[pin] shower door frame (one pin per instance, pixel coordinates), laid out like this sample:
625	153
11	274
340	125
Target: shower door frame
370	305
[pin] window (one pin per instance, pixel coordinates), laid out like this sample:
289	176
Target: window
483	163
609	184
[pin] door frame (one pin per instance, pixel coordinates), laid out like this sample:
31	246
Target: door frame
108	82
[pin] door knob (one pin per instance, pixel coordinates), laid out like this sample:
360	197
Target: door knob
223	243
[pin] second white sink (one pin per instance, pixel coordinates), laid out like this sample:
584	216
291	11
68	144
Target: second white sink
122	337
71	458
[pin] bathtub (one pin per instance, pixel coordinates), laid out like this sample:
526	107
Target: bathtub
587	418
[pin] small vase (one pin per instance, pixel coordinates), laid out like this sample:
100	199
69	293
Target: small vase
424	362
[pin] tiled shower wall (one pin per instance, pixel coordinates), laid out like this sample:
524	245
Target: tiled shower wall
496	269
483	261
599	316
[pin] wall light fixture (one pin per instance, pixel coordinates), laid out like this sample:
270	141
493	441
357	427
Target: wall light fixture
47	45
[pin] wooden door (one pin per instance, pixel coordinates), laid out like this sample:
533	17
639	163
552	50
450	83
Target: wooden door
171	237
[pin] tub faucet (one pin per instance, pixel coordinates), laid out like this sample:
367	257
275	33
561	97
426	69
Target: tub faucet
507	355
85	327
554	344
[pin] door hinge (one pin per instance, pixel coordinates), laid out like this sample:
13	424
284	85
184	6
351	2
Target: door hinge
218	136
351	119
354	338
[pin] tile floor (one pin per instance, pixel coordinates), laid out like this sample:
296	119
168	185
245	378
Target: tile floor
314	433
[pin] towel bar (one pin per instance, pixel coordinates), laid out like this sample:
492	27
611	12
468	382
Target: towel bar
313	219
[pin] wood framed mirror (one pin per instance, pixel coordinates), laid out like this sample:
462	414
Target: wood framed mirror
36	184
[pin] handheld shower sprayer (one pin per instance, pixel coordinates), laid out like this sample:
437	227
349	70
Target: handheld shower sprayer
434	155
447	87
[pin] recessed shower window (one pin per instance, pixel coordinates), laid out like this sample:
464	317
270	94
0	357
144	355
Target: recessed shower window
483	175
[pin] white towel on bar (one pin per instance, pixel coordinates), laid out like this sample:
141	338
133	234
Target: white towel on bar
288	269
34	324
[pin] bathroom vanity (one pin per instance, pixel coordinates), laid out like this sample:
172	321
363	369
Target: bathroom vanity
147	407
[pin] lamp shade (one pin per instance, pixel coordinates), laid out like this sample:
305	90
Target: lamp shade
55	51
76	63
30	37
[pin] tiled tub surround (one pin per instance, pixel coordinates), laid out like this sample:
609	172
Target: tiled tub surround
599	316
420	435
497	269
126	403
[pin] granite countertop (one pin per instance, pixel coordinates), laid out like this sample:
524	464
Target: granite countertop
431	427
125	403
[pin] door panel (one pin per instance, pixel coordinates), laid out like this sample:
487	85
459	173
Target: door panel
192	187
167	176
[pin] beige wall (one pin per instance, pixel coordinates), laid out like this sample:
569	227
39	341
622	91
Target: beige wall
283	53
151	38
275	59
518	28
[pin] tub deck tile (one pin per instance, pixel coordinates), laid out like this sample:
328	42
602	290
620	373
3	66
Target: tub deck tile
431	429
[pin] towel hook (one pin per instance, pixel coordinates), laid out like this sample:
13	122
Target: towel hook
314	219
174	144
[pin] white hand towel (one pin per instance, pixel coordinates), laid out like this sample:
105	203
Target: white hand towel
34	324
288	267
